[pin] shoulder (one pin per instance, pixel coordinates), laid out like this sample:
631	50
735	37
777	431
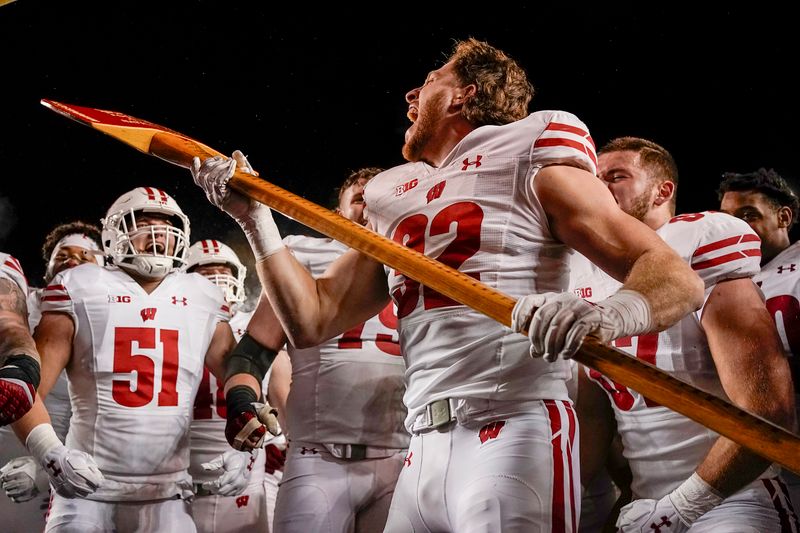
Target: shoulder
197	283
718	246
314	250
559	137
11	269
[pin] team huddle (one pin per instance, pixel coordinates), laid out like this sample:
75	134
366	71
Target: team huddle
142	397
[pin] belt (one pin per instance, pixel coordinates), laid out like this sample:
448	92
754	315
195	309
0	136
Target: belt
358	452
199	490
437	414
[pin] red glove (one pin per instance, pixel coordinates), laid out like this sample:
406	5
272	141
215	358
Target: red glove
243	429
276	458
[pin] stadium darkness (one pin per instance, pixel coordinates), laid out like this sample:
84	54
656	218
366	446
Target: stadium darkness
310	95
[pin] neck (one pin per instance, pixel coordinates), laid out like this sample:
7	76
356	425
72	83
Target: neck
447	138
657	217
771	249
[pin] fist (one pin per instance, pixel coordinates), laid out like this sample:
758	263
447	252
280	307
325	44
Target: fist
18	479
646	516
245	431
72	473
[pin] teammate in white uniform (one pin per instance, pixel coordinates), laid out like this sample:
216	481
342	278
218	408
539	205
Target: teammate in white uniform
133	337
500	195
765	200
235	500
23	481
344	409
683	471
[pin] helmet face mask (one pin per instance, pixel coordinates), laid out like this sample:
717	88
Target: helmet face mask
213	252
136	241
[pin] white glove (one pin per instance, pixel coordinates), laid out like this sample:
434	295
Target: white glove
72	472
18	479
557	322
646	516
235	470
675	512
268	416
213	175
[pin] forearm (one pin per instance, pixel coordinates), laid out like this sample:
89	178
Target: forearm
36	416
728	467
668	284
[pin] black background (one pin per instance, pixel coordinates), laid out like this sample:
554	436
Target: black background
311	94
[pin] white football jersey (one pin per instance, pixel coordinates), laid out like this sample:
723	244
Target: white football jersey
11	269
137	361
663	447
478	213
780	282
208	422
348	390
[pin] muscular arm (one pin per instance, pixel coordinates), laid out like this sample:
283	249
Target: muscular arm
278	389
265	328
15	337
53	338
754	373
222	342
311	311
583	215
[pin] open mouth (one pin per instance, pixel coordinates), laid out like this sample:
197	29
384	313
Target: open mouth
155	248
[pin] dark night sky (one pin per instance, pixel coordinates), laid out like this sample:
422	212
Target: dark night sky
311	95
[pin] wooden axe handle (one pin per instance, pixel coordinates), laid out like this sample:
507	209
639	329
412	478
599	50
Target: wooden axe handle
761	436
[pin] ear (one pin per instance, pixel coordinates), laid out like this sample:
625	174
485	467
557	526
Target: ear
784	217
464	93
665	192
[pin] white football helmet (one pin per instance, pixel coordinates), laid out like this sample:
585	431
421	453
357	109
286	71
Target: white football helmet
213	252
120	228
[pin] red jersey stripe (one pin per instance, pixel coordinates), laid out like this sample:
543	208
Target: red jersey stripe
740	254
558	141
558	126
56	298
14	266
730	241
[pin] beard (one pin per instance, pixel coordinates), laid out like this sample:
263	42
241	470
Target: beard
640	206
424	130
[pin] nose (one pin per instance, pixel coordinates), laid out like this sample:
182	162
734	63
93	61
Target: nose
412	95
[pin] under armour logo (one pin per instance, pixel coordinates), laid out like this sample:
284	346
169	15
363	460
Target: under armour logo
52	466
305	450
407	460
490	431
175	301
148	313
789	268
435	191
241	501
664	522
252	462
468	163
